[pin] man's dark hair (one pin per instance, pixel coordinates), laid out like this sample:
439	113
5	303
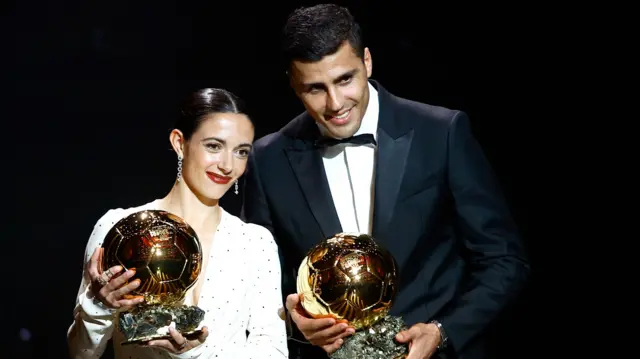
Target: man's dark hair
312	33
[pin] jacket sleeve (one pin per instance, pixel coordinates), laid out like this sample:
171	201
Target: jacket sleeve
255	208
92	325
498	264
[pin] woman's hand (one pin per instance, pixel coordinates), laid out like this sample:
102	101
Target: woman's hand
179	344
109	287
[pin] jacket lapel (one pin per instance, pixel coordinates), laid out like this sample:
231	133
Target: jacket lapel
390	169
394	142
306	161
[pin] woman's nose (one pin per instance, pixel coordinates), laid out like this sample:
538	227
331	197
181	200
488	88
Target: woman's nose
226	164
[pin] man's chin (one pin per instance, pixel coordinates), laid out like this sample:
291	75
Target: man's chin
345	131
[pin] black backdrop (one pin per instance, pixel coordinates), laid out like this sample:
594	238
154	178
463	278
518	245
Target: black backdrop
93	94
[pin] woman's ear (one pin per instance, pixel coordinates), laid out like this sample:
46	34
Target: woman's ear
177	142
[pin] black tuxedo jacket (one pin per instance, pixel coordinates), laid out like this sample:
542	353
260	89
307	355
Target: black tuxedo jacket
438	210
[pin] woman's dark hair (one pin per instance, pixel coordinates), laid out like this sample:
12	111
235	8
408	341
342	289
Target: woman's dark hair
312	33
204	102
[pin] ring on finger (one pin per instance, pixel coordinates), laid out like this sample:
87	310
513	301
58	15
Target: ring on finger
105	277
109	274
183	345
102	281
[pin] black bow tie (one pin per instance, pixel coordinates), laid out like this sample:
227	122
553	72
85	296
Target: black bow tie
363	139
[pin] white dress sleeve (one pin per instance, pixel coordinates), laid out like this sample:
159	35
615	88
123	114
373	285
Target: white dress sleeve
267	331
92	327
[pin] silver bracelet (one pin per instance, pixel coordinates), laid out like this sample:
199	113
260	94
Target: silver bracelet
443	336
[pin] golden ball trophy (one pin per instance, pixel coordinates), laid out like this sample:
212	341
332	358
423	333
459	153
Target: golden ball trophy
351	278
167	257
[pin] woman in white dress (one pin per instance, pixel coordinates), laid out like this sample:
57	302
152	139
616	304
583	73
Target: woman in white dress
239	288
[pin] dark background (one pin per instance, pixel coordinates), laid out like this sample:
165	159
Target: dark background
93	92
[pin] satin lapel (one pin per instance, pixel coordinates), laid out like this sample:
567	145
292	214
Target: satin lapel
395	132
390	169
309	169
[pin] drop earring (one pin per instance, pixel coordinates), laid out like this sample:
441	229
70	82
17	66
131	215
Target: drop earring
236	186
179	167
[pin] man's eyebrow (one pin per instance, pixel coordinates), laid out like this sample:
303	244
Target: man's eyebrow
338	79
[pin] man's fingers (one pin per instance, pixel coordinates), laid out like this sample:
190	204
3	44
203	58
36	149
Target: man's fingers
403	337
416	351
296	316
310	326
408	335
292	301
317	325
330	334
330	348
341	334
315	330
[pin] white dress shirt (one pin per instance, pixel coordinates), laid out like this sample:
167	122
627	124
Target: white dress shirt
241	293
350	172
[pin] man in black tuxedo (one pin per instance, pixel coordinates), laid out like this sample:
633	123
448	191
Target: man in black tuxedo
360	159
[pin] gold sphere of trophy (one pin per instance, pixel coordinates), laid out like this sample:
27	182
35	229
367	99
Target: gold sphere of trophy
166	254
353	279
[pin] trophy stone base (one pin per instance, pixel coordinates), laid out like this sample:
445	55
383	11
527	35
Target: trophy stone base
152	322
375	342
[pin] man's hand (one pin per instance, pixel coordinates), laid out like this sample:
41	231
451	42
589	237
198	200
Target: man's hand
326	333
423	340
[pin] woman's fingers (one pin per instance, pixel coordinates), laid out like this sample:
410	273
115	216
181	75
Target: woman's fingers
117	295
111	286
203	336
128	303
92	265
119	280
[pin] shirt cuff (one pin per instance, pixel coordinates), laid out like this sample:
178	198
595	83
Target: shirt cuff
93	307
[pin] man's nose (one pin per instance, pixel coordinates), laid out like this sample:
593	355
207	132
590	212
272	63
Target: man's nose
334	100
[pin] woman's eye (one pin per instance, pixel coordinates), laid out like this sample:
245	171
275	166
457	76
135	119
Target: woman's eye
213	146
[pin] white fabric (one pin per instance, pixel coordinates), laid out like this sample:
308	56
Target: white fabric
350	172
241	293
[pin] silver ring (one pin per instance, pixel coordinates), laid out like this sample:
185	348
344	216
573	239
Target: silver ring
102	281
108	273
183	345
